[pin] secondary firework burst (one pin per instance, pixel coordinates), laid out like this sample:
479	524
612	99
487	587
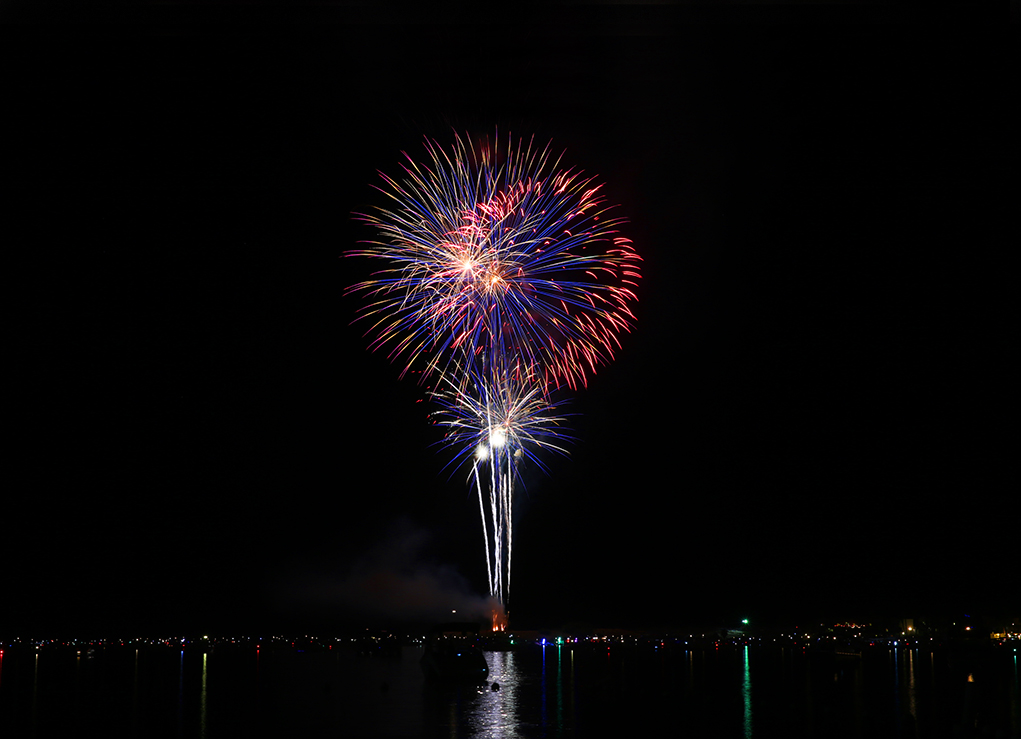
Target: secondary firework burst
494	425
505	280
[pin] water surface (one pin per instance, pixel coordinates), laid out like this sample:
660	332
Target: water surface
552	691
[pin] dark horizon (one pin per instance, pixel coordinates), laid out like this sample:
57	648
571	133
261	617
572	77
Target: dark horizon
945	630
810	415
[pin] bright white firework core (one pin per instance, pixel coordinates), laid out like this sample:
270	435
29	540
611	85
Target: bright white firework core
482	453
498	437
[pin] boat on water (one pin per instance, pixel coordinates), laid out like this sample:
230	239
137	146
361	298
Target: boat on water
454	654
454	661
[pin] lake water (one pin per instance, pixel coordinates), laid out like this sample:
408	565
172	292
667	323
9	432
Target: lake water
555	691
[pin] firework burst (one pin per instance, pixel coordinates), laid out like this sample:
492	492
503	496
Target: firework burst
505	279
490	252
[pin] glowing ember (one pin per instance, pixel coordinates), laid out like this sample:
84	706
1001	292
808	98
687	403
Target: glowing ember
499	620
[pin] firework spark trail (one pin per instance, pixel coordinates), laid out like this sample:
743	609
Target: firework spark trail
499	421
505	279
510	538
485	531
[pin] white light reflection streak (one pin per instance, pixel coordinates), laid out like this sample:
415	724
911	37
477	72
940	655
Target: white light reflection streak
543	687
500	707
202	704
35	693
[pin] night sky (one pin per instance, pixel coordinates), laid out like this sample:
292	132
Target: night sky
809	417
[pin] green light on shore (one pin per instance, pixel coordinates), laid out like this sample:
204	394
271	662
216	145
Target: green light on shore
744	620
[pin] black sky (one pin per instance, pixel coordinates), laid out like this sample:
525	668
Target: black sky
810	414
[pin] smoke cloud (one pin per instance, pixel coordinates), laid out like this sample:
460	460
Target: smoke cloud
394	581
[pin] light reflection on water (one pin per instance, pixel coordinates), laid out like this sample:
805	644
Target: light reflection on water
556	691
202	698
898	713
560	688
911	684
746	694
1015	704
498	711
134	696
535	696
180	696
